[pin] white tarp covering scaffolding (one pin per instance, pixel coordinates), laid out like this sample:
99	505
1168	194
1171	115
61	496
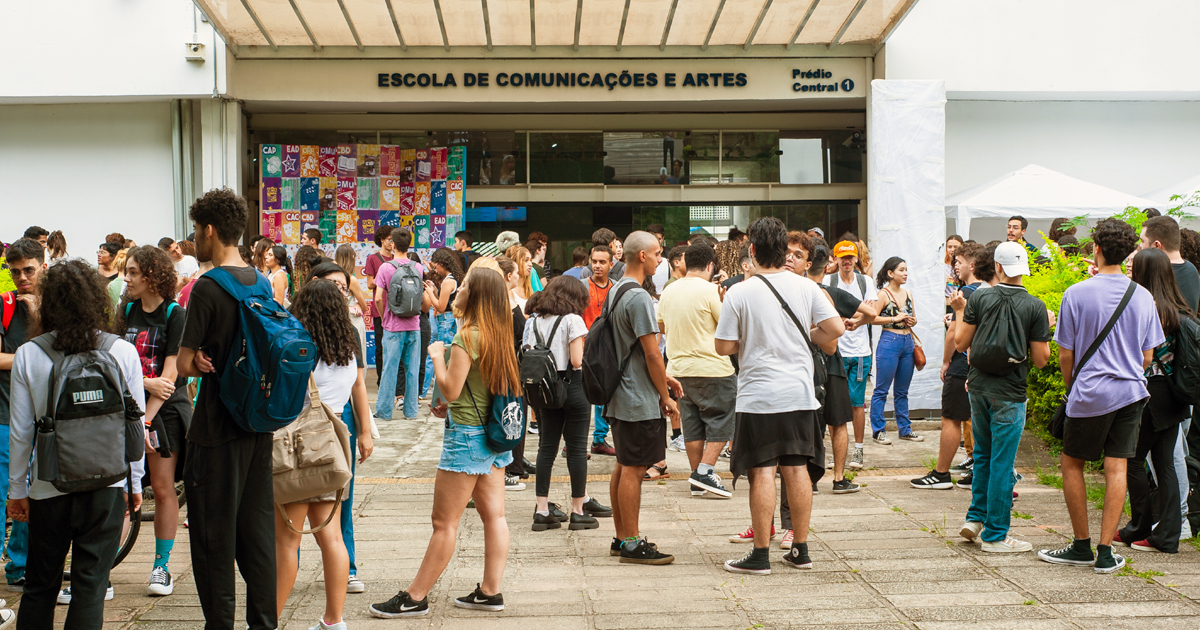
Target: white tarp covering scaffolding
906	194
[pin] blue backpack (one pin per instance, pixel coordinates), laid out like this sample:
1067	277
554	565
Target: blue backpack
264	380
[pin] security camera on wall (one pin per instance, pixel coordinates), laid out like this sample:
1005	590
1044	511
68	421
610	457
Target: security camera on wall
194	50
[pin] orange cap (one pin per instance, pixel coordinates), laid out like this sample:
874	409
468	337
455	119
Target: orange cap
845	248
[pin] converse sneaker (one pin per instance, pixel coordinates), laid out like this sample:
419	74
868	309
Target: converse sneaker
512	483
542	522
160	582
970	530
592	507
1107	561
786	541
64	596
645	553
478	601
355	585
964	466
677	444
1008	545
748	535
856	460
710	482
400	605
964	482
1077	554
912	437
934	480
844	486
756	562
881	437
798	556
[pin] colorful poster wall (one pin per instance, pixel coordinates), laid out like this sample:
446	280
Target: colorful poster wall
348	191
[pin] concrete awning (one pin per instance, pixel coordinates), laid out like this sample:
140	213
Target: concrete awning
318	25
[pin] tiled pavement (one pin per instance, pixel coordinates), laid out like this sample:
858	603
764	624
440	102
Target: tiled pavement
887	557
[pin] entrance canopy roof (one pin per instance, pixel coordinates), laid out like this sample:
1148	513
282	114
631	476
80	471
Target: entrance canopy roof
316	26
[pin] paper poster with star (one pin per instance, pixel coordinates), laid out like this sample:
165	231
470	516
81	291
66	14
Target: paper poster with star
272	160
347	188
454	197
272	198
407	199
421	198
347	160
291	160
437	197
437	233
327	162
290	193
309	162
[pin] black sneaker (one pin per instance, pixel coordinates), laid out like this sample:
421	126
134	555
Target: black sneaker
934	480
844	486
1072	554
964	482
645	553
543	522
583	521
557	513
1107	561
533	428
478	601
592	507
401	605
756	562
615	548
798	556
710	482
964	466
816	490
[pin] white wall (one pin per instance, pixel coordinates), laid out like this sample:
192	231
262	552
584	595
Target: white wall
87	170
1098	49
72	50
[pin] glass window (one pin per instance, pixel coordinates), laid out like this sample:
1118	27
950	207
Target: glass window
821	157
701	151
566	158
645	157
750	157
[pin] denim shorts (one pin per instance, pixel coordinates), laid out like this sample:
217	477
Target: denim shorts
465	450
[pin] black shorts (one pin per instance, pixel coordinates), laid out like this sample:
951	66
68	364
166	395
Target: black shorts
790	438
837	410
642	443
956	405
176	417
1114	434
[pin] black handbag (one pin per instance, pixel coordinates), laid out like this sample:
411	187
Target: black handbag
1059	421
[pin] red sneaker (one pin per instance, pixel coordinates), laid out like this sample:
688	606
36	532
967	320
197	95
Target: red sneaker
748	535
1117	542
786	542
1141	545
602	448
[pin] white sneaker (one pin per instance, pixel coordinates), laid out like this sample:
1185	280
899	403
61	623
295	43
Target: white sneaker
341	625
970	530
1008	545
677	444
512	483
8	618
160	582
355	585
64	596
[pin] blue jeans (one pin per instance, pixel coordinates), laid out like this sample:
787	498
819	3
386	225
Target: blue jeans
399	348
600	433
18	545
347	515
996	426
442	328
894	358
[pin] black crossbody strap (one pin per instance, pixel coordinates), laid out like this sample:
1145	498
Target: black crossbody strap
786	308
1112	321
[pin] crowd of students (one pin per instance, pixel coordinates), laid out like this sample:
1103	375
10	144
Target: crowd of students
779	323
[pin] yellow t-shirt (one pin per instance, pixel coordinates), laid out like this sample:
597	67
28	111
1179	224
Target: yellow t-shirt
688	311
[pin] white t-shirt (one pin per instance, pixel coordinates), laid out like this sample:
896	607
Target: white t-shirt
776	370
187	266
334	383
854	343
571	328
661	275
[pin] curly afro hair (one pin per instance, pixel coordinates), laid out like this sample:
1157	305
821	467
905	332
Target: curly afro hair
158	269
74	304
1116	240
321	308
223	209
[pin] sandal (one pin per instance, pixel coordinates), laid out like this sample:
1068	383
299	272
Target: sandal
662	472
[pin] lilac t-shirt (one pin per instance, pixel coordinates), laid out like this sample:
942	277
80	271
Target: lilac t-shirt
391	323
1113	377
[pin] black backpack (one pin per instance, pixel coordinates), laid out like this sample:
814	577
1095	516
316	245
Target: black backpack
1185	377
1000	345
543	387
601	369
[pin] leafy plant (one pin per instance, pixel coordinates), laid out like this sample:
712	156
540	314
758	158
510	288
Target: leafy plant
1021	515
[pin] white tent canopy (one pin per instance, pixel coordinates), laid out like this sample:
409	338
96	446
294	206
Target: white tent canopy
1036	192
1185	189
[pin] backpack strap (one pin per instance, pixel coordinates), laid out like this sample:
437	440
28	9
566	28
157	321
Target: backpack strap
553	330
46	343
239	291
8	304
786	308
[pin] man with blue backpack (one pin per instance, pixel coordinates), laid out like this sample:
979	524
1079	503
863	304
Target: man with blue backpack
254	361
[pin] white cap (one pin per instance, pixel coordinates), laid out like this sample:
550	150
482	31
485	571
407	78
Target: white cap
1013	258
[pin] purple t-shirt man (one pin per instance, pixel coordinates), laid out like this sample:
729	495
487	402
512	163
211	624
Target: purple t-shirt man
1113	378
391	323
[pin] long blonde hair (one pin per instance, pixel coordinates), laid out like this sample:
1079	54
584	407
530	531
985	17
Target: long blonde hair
488	312
520	255
345	258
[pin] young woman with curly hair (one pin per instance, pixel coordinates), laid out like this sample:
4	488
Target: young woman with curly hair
149	318
320	307
278	268
306	258
482	364
75	307
441	285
